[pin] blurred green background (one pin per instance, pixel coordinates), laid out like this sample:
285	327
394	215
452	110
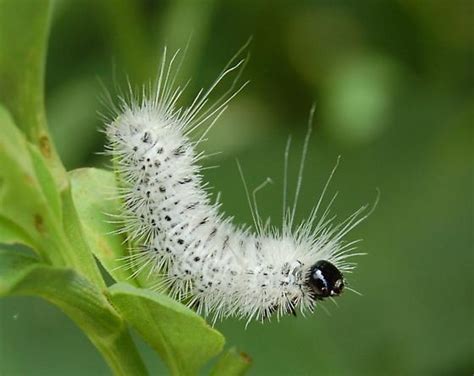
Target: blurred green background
392	81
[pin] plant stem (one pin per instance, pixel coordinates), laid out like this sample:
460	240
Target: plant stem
120	354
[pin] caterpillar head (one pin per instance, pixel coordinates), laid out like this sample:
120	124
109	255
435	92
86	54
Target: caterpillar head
325	280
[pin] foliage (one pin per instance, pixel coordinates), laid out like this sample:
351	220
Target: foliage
62	217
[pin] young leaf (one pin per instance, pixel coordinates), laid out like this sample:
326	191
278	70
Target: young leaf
27	208
95	197
182	338
232	363
46	181
32	209
77	251
80	300
11	233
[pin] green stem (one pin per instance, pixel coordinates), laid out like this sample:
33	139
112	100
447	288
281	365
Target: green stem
120	354
24	30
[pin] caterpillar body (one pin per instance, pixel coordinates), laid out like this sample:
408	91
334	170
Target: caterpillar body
180	236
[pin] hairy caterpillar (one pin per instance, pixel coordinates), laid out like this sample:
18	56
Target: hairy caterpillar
179	234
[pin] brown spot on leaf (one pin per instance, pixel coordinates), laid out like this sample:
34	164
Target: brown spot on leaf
29	180
45	146
246	357
39	223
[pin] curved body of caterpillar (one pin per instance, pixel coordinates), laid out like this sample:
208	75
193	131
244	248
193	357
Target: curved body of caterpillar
200	256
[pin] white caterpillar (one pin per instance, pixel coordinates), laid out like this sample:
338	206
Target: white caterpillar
180	236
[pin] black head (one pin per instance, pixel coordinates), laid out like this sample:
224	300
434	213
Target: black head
325	280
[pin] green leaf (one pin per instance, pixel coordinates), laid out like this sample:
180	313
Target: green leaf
27	208
46	181
11	233
76	248
24	28
232	363
24	275
80	300
93	192
32	210
182	338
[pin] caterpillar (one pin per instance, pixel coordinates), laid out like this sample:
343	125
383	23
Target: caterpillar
179	236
